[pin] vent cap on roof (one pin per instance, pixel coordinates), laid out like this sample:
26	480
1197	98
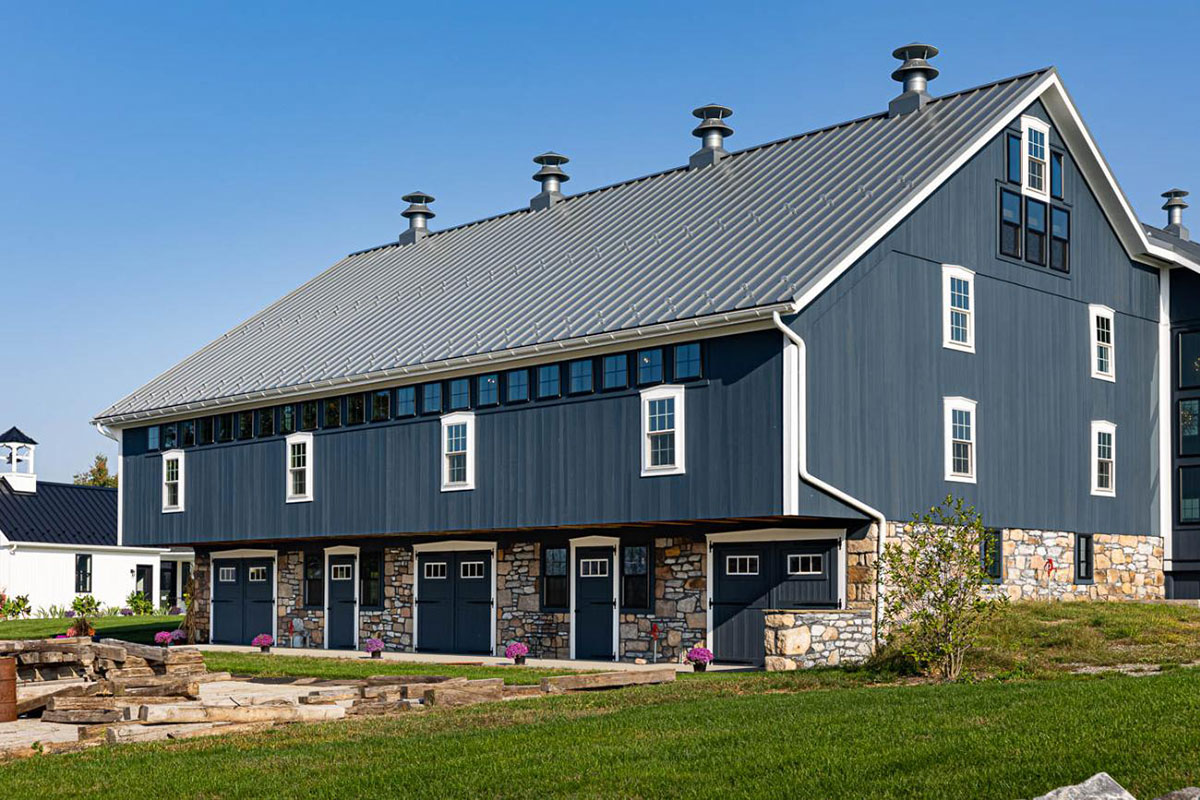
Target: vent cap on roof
1174	208
551	177
914	74
711	131
418	216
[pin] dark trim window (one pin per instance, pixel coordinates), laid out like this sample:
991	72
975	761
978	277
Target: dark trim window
1056	175
1035	232
687	361
460	394
245	425
224	427
333	412
356	409
370	579
1189	495
1084	558
381	405
1060	239
314	580
487	389
991	554
170	439
516	386
1189	427
650	366
1014	158
556	589
187	433
204	430
1189	363
308	415
548	376
431	398
287	419
266	422
83	573
406	401
580	376
635	577
152	437
1010	224
616	371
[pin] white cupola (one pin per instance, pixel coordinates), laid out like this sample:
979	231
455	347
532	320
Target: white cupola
16	461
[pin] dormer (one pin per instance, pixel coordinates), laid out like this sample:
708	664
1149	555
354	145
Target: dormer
16	461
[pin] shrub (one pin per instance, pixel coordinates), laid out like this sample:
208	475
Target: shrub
86	605
937	588
699	655
16	607
516	649
139	603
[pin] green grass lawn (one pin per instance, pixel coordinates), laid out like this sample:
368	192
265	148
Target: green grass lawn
131	629
277	666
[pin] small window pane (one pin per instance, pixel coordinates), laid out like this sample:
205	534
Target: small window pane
204	430
314	579
1035	232
381	405
1010	224
431	398
517	383
187	433
308	415
1189	494
581	377
593	567
245	425
435	570
471	570
556	560
1084	557
991	553
341	572
256	575
333	412
805	564
616	371
266	422
1189	427
1014	158
406	401
370	579
1060	239
488	389
1056	175
152	437
635	576
224	427
287	419
687	361
356	409
460	394
741	565
227	574
650	366
170	438
548	377
555	582
1189	362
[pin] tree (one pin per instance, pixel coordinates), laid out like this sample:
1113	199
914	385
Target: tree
97	474
937	587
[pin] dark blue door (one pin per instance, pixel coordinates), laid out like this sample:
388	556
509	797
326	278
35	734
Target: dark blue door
594	603
243	599
454	602
342	605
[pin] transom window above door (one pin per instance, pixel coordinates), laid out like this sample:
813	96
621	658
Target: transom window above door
741	565
593	568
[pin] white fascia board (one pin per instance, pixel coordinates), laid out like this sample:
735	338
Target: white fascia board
85	548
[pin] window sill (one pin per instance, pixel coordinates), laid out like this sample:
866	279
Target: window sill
458	487
648	472
173	510
1101	376
1101	493
961	478
1085	582
959	346
307	499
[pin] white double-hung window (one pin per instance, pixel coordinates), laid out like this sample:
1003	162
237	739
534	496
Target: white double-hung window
299	468
172	481
1100	323
458	452
1035	155
1104	458
958	308
662	431
960	437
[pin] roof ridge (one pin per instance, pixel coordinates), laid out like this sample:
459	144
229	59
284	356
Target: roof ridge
73	485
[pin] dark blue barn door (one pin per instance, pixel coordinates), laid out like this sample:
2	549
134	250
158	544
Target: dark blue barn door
243	602
454	602
342	603
594	603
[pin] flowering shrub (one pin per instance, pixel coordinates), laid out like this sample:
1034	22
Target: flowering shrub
174	611
178	637
516	649
373	646
162	637
263	640
126	612
699	655
70	615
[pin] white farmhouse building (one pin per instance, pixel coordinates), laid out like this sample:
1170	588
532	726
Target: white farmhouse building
59	541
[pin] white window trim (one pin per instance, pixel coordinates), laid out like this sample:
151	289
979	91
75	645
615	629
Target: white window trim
1103	426
307	440
1099	311
179	456
950	405
962	273
660	393
1036	124
457	418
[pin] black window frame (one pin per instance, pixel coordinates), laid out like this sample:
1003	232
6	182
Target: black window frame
225	428
334	405
356	409
591	376
368	583
187	433
1180	449
509	384
679	376
152	432
287	420
83	574
1036	256
647	578
406	401
624	372
562	583
266	422
455	384
381	405
1057	174
483	388
427	407
311	582
1085	559
662	367
1018	228
1179	475
170	437
548	369
993	539
245	425
1065	266
308	410
205	430
1012	161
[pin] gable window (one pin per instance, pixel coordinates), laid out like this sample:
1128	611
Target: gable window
458	452
381	405
1189	427
266	422
431	398
1060	239
173	481
333	412
1104	458
960	439
556	593
460	394
245	425
635	577
308	415
958	317
1037	135
650	366
580	377
517	385
1013	158
487	389
169	437
1085	558
1056	175
1101	318
83	573
616	371
287	419
991	554
1010	224
187	433
548	377
370	579
299	468
1035	232
1189	495
406	401
662	431
314	580
152	437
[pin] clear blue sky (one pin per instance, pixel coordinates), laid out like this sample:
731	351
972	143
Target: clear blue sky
167	169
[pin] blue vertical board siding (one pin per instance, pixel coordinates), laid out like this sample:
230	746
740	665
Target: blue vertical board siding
573	461
877	370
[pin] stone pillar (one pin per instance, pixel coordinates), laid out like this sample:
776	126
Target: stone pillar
680	597
201	603
518	604
392	624
289	601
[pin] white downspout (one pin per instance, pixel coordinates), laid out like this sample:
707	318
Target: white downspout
813	480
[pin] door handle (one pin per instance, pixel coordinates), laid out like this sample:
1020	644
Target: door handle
614	603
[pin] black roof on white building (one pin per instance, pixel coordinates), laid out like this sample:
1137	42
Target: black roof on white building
59	513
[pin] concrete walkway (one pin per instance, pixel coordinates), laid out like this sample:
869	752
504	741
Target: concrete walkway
459	660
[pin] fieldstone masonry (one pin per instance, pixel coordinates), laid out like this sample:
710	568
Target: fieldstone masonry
289	604
518	604
679	603
201	576
393	623
804	639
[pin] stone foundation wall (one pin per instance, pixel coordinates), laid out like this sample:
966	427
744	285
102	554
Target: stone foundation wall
289	603
1040	565
862	557
518	604
202	583
804	639
680	570
392	624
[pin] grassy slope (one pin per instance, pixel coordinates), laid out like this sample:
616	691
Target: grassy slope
273	666
132	629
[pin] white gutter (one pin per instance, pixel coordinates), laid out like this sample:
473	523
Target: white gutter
812	480
92	548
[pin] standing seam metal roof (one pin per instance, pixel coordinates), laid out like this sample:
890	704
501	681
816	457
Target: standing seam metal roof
59	513
756	229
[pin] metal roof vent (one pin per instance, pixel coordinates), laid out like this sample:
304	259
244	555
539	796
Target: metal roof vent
1174	208
551	177
915	74
418	215
711	131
